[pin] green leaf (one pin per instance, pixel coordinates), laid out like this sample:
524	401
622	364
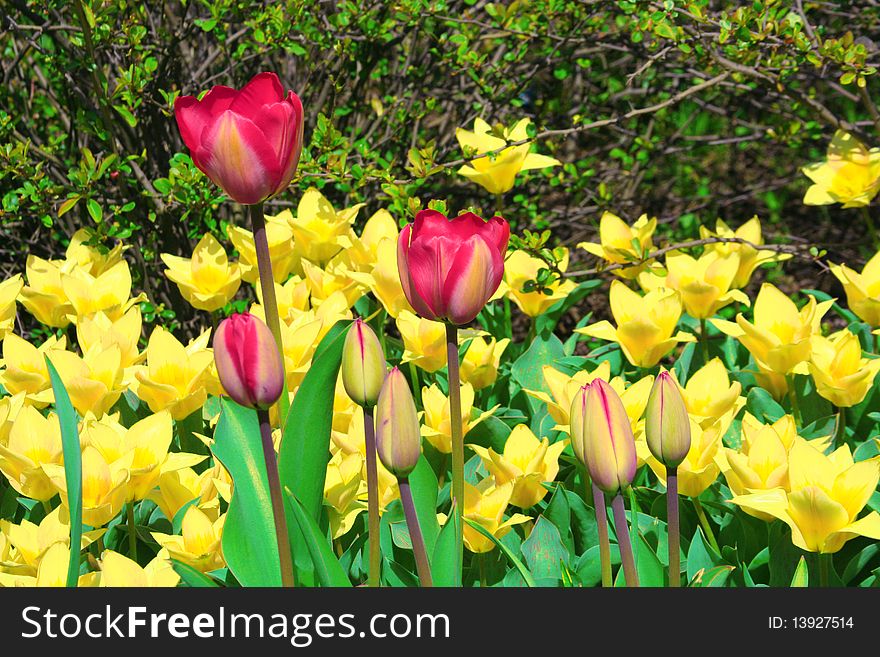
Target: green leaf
423	483
95	210
801	577
523	571
327	566
713	577
544	552
528	372
192	577
72	468
761	404
700	556
249	540
445	564
67	205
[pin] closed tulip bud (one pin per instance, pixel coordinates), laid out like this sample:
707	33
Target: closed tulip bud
248	361
363	364
398	440
667	426
602	437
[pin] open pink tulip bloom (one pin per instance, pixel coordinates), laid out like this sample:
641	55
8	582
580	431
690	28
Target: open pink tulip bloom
248	141
449	268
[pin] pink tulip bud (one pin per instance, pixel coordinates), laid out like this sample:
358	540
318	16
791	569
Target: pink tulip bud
602	437
248	361
249	141
667	426
398	440
450	268
363	364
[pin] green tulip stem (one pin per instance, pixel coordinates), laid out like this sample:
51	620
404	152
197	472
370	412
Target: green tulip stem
630	573
704	523
414	377
869	221
793	398
839	428
604	542
132	531
824	569
673	527
267	287
415	533
372	497
457	438
704	340
284	556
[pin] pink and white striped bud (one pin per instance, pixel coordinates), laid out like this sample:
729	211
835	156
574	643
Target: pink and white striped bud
398	439
363	364
248	361
667	425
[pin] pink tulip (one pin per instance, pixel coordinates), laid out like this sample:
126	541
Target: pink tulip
449	268
248	361
247	141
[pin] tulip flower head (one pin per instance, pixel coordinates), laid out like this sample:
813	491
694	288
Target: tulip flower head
363	364
667	426
849	175
207	280
841	375
397	426
520	268
602	437
704	283
862	289
450	268
247	141
748	257
9	290
617	242
248	361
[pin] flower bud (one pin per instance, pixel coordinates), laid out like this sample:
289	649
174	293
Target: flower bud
363	364
248	362
398	440
602	437
667	426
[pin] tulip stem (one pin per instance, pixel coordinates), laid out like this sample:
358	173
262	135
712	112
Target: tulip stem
793	398
372	497
839	428
457	438
132	531
415	533
869	220
414	377
282	538
824	569
704	523
704	340
604	542
267	288
673	532
630	573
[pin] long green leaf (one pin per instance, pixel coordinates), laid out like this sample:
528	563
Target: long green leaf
192	577
72	469
423	483
249	542
445	564
327	567
305	447
526	575
801	577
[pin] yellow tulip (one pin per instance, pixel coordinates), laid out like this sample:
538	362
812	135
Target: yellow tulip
176	488
479	367
25	368
779	339
704	282
617	242
526	461
109	291
862	289
700	468
9	291
300	339
279	236
118	570
485	505
102	332
34	441
850	174
519	268
51	572
709	393
748	256
335	277
83	255
645	325
104	489
292	299
207	280
496	173
424	341
825	496
361	254
44	296
437	427
383	279
563	389
198	544
93	381
10	407
174	376
841	375
341	487
318	229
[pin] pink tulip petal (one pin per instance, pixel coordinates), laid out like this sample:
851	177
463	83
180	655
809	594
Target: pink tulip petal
263	89
473	277
429	223
235	155
430	260
194	115
406	282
